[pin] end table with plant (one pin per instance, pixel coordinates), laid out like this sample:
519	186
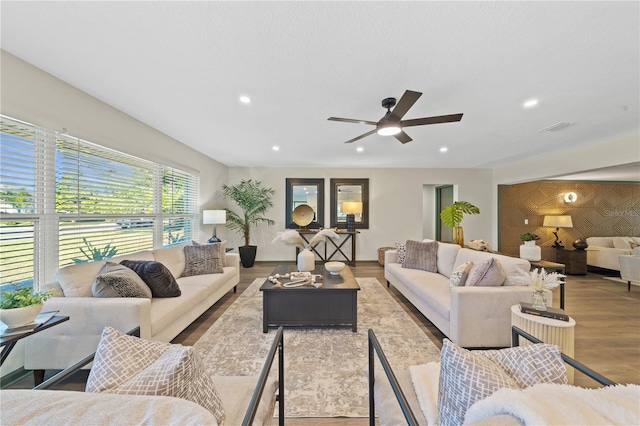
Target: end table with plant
21	306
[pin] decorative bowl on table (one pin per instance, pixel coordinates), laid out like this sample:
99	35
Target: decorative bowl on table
334	268
16	317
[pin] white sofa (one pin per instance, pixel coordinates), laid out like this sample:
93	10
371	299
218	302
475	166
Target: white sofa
159	319
603	252
472	317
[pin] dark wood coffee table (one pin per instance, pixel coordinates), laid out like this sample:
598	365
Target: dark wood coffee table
332	305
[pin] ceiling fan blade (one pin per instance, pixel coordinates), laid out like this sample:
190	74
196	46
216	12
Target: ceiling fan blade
351	120
361	136
406	101
431	120
403	137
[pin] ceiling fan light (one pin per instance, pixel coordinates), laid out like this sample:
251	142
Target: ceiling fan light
389	130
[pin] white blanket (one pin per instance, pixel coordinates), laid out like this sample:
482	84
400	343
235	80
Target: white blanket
550	404
426	379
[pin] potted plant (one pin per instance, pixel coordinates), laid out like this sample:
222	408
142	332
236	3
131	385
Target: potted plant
21	306
254	200
528	237
529	250
452	217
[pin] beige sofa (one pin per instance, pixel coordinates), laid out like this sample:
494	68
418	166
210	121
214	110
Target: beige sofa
159	319
471	317
603	252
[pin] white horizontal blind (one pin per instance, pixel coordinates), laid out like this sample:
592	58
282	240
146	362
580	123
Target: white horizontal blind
66	200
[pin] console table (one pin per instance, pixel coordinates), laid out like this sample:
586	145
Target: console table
334	247
574	260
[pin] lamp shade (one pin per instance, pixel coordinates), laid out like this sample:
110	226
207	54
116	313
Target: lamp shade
351	207
214	216
562	221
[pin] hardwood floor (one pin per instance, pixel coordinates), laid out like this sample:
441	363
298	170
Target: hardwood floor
607	335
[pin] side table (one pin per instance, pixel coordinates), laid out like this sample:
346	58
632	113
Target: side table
575	261
552	267
10	341
552	331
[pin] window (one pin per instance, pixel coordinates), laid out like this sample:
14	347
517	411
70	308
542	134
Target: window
66	200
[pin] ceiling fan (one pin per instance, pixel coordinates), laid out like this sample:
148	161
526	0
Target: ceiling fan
392	124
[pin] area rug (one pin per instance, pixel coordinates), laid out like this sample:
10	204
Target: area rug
325	369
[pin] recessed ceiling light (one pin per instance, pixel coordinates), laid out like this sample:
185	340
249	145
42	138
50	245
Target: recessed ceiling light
245	99
276	148
359	149
444	149
530	103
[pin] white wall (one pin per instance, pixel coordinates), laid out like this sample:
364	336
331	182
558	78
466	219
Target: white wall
395	205
32	95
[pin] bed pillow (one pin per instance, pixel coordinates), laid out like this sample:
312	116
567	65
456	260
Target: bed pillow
421	255
128	365
460	274
202	260
487	273
157	276
117	280
401	252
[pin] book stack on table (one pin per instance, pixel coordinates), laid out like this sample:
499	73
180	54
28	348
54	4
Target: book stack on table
551	312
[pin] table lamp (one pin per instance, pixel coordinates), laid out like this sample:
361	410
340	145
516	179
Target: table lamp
562	221
214	217
351	208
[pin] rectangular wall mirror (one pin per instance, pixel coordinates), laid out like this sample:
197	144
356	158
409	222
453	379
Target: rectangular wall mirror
304	192
349	196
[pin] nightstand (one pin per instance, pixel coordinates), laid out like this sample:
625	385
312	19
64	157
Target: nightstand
575	261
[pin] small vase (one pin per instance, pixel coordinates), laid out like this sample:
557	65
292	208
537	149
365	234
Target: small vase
306	261
458	236
539	301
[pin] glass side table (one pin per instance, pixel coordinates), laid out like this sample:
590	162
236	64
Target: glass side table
10	341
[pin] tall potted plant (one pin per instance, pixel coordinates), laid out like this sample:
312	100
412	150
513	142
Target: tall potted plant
254	200
452	217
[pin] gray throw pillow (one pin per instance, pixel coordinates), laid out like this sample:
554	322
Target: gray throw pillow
156	276
222	250
131	366
486	274
201	260
117	280
421	255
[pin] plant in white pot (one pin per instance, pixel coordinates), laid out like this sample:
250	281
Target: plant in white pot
529	250
254	200
21	306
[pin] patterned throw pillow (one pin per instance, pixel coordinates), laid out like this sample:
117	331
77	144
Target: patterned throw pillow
460	274
202	260
117	280
401	252
487	273
156	276
421	255
469	376
222	247
128	365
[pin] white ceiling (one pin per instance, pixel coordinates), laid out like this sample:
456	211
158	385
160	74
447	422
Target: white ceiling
181	66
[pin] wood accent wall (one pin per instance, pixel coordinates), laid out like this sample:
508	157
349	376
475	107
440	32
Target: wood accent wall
602	209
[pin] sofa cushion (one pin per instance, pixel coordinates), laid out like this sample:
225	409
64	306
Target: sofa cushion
117	280
171	257
431	288
128	365
512	266
600	242
76	280
460	274
485	274
210	281
167	310
156	276
202	260
421	255
621	243
401	252
446	258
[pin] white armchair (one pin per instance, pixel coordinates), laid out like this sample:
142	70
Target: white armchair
630	269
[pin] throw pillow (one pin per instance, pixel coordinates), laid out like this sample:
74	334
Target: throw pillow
466	377
128	365
421	256
460	274
222	247
621	243
401	252
156	276
202	260
487	273
117	280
